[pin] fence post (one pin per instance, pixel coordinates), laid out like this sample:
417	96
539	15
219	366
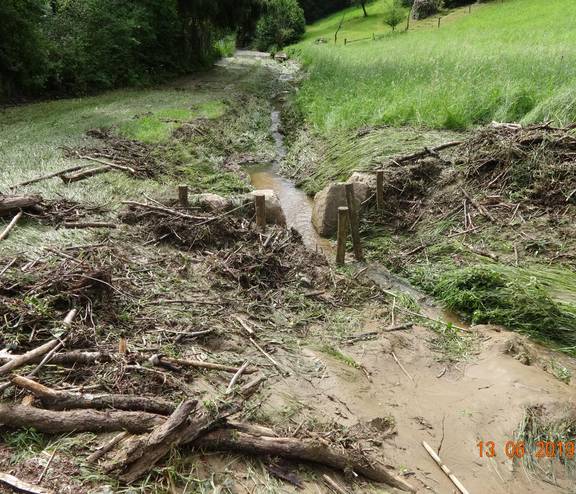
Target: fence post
342	235
345	41
380	190
354	222
439	19
183	195
260	203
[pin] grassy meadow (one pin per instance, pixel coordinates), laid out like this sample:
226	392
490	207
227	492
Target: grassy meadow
510	61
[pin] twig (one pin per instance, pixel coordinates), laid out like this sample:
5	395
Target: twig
236	377
333	485
276	364
107	163
51	175
402	367
173	212
43	474
10	226
444	468
100	452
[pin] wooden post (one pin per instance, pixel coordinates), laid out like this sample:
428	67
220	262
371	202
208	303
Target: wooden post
469	9
342	235
354	222
260	202
439	19
183	196
380	190
345	41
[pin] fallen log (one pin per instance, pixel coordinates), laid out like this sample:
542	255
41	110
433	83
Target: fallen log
298	449
53	422
83	174
10	226
62	400
10	204
143	453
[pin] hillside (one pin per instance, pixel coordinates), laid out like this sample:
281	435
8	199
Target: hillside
508	61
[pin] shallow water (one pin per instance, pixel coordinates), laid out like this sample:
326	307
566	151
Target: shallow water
296	204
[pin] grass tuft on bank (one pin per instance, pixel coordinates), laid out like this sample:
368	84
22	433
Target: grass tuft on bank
508	61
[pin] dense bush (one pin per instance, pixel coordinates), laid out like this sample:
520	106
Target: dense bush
282	23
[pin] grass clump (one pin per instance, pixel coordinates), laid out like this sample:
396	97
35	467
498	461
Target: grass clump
341	356
487	296
549	424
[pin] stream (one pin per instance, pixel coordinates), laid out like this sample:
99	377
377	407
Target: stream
296	204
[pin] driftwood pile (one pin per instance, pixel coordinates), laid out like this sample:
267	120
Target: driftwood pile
502	172
115	299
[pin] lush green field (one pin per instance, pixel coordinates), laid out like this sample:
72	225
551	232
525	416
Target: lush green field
510	61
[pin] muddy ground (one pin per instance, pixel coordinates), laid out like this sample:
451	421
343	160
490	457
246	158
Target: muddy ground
356	360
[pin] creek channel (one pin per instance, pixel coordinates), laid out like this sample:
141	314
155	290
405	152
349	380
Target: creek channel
297	207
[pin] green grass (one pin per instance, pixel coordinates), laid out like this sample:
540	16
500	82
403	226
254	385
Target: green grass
510	61
486	294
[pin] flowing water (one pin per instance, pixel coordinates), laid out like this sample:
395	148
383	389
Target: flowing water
296	204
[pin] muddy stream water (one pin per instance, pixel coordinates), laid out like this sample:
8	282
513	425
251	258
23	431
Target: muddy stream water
296	204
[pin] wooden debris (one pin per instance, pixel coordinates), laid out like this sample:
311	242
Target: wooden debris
10	204
342	235
83	174
236	377
30	356
141	454
53	422
161	360
282	370
62	400
10	226
91	224
106	448
163	209
444	468
301	450
49	176
22	486
354	222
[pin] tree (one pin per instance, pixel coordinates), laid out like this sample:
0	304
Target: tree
395	14
282	23
361	4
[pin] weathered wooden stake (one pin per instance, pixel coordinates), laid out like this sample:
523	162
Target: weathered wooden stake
10	226
354	222
260	202
183	196
380	190
342	235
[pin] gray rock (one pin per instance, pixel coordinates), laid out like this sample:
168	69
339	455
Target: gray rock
210	202
327	202
274	212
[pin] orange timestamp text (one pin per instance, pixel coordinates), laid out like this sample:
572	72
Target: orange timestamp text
518	449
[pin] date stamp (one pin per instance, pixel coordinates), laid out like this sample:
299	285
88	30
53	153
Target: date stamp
518	449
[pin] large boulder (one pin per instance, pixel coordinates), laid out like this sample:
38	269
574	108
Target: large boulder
274	212
329	199
425	8
210	202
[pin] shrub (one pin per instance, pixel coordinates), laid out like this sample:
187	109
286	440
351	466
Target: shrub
282	23
394	15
